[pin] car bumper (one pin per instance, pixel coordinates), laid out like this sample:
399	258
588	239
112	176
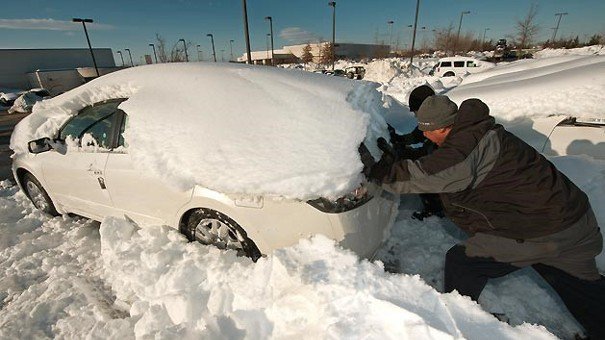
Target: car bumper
367	227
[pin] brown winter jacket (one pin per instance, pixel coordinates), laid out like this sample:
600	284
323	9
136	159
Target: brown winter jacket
491	181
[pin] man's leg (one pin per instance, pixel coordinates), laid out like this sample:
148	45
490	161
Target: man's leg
469	275
584	299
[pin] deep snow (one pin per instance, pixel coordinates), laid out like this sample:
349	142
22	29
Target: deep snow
67	277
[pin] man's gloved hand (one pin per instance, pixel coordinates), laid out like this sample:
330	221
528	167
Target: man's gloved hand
394	137
366	158
381	169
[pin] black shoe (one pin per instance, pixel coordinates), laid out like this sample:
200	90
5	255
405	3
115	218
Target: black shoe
421	215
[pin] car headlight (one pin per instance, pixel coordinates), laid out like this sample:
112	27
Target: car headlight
345	203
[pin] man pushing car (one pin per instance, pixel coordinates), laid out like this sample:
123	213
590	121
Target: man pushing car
516	207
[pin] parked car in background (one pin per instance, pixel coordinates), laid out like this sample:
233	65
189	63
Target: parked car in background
87	167
339	73
26	100
7	97
355	72
455	66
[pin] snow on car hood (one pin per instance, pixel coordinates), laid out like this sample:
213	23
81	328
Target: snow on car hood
233	128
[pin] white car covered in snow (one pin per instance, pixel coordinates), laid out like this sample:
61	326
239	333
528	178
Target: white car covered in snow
244	158
456	66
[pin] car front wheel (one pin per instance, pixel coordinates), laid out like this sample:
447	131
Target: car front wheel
38	196
211	227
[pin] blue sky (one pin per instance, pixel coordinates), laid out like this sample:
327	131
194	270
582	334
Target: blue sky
133	24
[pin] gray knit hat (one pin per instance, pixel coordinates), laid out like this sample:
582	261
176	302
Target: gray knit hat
436	112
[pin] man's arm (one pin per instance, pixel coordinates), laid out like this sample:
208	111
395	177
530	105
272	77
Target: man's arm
445	170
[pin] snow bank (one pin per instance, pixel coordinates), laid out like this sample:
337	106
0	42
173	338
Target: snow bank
50	276
233	128
587	50
310	291
529	89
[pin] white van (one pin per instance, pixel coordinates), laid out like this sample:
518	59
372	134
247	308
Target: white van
455	66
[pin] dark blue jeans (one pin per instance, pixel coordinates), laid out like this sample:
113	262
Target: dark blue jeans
584	299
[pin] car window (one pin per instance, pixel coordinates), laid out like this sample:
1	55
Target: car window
458	63
101	132
446	64
95	120
470	64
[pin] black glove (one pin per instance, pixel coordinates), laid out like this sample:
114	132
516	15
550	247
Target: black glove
381	169
394	137
366	158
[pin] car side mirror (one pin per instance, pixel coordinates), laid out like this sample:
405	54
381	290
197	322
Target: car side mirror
39	145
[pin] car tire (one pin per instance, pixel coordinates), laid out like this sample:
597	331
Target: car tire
449	74
211	227
350	75
37	195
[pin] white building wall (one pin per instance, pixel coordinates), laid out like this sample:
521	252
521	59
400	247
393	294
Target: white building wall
16	63
343	50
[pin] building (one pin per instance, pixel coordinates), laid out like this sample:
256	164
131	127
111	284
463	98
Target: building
293	53
57	69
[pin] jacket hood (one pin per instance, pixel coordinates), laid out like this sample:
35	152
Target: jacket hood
471	112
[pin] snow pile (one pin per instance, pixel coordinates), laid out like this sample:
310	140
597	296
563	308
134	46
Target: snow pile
50	276
310	291
587	50
570	85
233	128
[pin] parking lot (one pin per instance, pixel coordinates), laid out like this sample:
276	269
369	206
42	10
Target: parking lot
7	123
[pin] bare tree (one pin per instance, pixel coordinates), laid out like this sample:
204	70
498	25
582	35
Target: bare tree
176	53
306	55
161	48
445	38
527	27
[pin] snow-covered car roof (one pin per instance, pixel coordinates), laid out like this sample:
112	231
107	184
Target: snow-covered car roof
232	128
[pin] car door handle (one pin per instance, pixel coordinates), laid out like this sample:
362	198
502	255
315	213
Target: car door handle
101	183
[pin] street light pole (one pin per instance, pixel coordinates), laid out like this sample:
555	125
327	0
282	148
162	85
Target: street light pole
231	48
212	40
333	5
271	31
560	15
459	27
267	48
121	57
127	49
390	24
84	21
248	53
185	46
414	34
155	55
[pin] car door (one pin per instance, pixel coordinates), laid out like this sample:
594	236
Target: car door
137	194
74	171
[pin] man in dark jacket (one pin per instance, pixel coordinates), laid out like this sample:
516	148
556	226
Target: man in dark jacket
415	145
516	207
